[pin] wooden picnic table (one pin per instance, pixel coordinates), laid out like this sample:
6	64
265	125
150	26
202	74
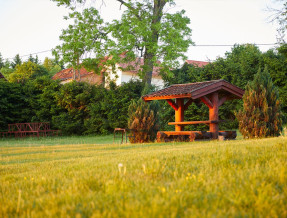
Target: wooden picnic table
20	130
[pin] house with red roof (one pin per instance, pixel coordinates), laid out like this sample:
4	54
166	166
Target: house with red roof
123	73
67	75
197	63
130	71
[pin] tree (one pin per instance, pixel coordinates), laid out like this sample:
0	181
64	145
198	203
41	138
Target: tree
156	35
26	71
6	70
85	35
13	105
261	114
143	119
280	15
16	61
145	29
2	64
52	66
277	66
33	60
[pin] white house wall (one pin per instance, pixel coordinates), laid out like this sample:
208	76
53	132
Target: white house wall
127	76
113	76
123	77
157	81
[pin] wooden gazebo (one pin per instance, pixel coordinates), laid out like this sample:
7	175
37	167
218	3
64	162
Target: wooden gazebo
212	93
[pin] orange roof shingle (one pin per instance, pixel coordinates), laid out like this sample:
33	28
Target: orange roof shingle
68	74
197	63
195	90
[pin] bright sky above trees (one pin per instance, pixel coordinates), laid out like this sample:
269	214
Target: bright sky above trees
32	26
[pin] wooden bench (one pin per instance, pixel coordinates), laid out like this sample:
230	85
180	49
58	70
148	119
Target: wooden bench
166	136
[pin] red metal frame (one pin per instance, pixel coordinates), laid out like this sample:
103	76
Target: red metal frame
29	129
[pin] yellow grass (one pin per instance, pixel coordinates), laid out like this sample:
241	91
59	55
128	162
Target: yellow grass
230	178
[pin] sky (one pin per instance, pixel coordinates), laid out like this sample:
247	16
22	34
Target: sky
34	26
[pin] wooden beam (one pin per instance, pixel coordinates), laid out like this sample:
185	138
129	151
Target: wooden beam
173	104
184	123
189	102
146	98
213	115
206	101
222	100
179	114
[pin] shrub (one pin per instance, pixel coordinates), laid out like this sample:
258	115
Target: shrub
261	114
143	119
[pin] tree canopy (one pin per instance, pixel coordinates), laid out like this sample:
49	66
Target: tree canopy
27	70
145	30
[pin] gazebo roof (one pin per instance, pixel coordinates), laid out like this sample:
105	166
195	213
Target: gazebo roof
196	90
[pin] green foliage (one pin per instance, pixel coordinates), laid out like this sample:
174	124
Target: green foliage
261	114
34	60
53	66
75	108
238	67
2	64
145	30
27	70
277	66
186	74
157	35
6	69
16	61
13	105
86	35
109	109
73	98
143	120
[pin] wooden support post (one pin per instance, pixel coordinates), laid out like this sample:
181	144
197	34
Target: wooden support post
179	113
213	115
172	104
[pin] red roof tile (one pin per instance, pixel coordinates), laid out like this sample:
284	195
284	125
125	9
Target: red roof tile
195	90
197	63
68	74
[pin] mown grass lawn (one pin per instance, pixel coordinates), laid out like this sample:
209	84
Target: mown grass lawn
62	177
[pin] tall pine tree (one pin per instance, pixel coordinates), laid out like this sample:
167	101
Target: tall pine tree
261	113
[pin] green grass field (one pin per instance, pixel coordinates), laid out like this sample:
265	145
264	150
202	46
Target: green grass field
90	177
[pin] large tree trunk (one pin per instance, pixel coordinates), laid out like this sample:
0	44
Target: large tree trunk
74	74
150	52
79	73
148	66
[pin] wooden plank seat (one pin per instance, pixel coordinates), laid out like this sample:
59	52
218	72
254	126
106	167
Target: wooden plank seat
166	136
184	123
